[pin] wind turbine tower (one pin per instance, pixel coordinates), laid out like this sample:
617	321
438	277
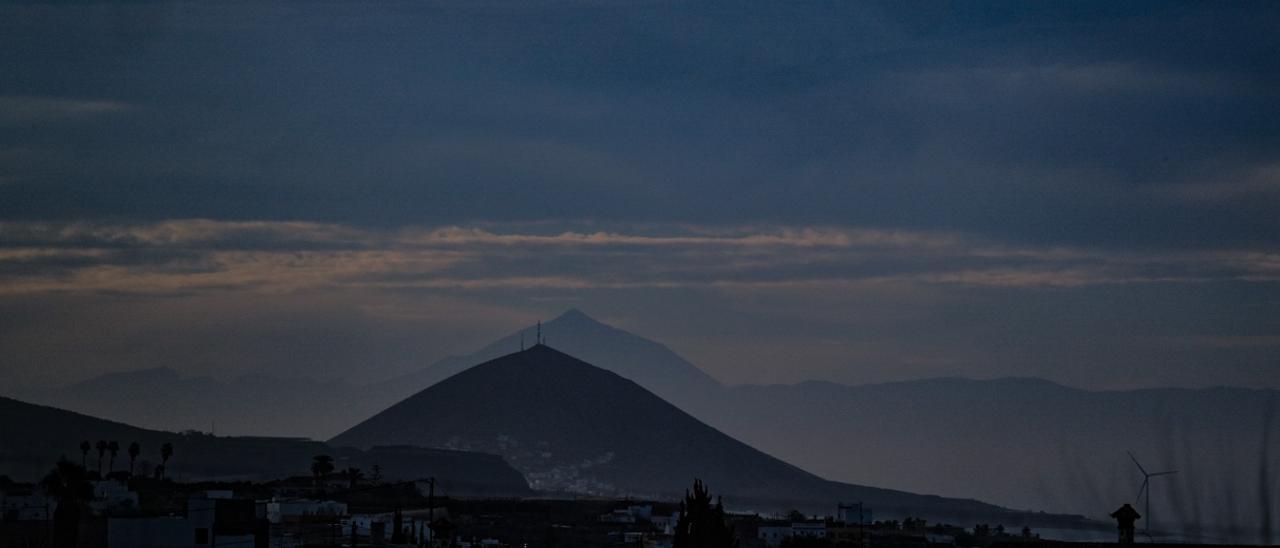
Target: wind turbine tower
1145	489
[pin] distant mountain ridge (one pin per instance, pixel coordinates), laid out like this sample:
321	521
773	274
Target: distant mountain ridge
265	405
646	362
33	438
573	427
251	405
1019	442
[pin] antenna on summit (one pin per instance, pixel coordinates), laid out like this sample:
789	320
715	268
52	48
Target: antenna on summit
539	331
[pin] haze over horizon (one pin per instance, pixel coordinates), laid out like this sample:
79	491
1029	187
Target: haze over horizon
1083	192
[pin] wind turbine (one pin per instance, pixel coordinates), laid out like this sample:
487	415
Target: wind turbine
1146	488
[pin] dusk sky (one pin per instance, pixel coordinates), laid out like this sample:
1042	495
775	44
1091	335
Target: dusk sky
1084	192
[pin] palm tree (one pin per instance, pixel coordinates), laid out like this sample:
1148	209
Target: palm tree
353	475
321	466
134	450
84	452
69	485
166	451
102	451
114	448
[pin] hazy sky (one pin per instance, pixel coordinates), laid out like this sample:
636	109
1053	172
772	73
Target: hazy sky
1086	192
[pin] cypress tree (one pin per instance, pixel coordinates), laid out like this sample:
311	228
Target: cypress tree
702	524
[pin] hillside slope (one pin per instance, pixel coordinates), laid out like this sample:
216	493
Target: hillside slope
570	426
34	437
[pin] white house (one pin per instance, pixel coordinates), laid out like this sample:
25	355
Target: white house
666	524
112	495
25	506
278	510
642	512
809	529
774	533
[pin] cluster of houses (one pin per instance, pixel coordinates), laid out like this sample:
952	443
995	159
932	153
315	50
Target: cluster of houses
302	512
116	516
653	531
852	525
859	530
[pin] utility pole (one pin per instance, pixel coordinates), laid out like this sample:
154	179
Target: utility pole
861	538
431	508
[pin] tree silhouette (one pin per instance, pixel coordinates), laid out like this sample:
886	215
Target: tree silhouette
702	524
397	528
166	451
69	485
113	447
134	451
321	466
102	451
85	446
353	475
375	474
443	532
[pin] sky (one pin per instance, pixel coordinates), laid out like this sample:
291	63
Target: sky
1087	192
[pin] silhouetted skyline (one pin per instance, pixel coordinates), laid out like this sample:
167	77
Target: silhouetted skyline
977	250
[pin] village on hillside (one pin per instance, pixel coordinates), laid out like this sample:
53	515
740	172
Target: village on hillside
81	506
104	501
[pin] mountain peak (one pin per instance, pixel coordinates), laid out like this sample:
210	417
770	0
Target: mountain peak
535	351
635	358
575	316
572	427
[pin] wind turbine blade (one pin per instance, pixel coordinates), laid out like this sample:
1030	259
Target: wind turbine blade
1163	473
1146	483
1135	461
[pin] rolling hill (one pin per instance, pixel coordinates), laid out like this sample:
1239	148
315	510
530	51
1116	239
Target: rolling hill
647	363
33	437
573	427
248	405
1020	443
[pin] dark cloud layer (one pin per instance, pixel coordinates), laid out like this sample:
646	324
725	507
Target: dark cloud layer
1062	167
1057	123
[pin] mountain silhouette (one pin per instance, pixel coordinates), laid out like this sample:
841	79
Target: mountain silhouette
572	427
33	438
250	405
648	363
268	405
1017	442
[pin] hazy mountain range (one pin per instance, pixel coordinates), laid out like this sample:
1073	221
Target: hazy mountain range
1022	443
35	437
572	427
250	405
